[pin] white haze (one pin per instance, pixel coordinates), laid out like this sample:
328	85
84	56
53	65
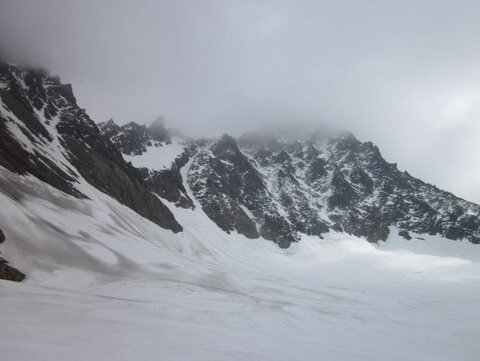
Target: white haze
404	74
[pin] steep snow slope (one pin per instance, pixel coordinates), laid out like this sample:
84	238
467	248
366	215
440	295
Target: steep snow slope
105	283
45	133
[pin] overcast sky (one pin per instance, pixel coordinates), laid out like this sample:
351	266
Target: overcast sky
403	74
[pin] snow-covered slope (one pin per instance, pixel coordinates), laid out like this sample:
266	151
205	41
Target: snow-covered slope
111	274
106	283
157	157
45	133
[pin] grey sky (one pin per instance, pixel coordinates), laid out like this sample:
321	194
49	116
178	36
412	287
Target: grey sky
404	74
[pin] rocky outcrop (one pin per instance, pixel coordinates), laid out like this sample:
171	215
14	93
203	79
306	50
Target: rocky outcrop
45	133
169	183
313	184
348	186
23	96
133	138
279	187
260	185
8	272
234	195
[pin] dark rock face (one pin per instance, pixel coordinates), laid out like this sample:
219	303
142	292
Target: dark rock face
343	194
8	272
133	138
23	103
405	235
260	185
169	183
234	195
318	184
46	134
351	184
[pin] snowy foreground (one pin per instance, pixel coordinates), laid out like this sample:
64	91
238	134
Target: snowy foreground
105	284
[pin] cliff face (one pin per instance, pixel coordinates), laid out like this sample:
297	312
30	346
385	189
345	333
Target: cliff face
8	272
162	173
261	185
277	187
45	133
347	185
134	139
320	183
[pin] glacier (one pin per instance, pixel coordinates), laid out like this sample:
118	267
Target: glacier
105	283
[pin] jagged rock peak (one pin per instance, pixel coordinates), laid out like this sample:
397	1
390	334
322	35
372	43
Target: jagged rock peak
326	181
133	138
46	134
226	143
7	272
272	185
12	76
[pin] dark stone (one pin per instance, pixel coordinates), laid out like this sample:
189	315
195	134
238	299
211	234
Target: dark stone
10	273
405	234
343	193
316	170
133	138
66	91
168	184
454	233
358	176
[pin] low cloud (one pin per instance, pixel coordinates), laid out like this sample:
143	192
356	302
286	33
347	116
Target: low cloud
404	74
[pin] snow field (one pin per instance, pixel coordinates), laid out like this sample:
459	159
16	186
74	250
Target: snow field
104	284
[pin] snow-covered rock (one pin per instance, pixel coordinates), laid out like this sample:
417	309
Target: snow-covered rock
261	185
319	183
106	278
45	133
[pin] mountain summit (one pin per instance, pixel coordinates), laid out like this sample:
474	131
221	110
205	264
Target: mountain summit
278	187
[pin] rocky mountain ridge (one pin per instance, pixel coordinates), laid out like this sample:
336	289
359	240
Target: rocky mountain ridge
133	138
278	187
259	185
45	133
